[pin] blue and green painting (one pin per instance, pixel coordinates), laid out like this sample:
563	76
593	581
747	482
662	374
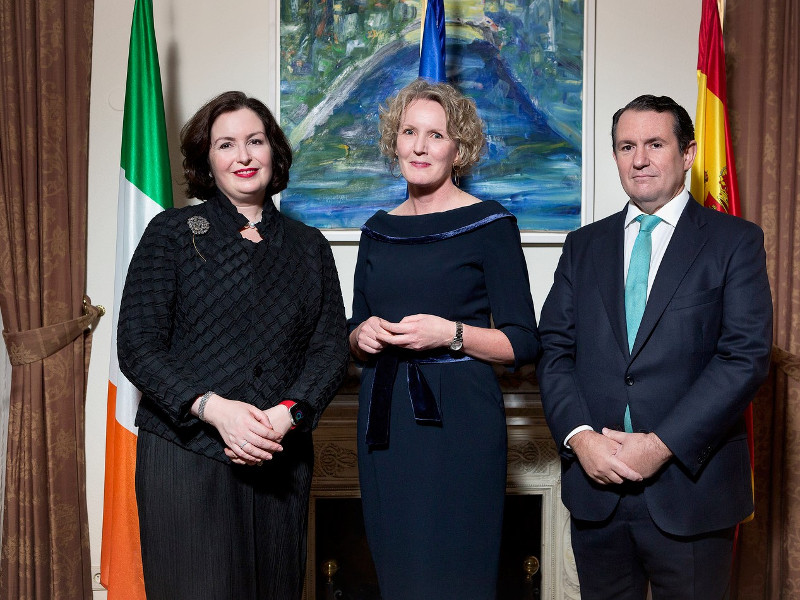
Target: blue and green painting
522	63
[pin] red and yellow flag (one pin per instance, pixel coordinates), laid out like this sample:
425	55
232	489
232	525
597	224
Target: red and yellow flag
713	172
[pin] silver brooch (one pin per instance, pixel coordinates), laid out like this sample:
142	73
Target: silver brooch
198	226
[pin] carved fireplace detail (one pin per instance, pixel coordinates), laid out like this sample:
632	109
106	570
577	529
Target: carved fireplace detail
533	469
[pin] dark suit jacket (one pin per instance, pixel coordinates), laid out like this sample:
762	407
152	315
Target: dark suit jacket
702	350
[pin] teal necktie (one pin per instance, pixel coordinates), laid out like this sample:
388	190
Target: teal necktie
636	285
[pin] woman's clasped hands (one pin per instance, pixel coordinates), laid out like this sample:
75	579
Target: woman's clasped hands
251	435
414	332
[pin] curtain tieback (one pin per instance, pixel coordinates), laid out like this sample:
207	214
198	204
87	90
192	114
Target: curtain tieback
787	362
25	347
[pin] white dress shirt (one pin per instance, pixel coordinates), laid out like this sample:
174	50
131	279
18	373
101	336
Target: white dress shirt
660	237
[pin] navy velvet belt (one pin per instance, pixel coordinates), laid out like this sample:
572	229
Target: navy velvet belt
422	399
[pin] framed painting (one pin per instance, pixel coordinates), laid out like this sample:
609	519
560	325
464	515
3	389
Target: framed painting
524	64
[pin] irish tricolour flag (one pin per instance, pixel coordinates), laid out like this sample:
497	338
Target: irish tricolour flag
145	189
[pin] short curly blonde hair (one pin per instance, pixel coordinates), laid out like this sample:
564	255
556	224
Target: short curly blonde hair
464	126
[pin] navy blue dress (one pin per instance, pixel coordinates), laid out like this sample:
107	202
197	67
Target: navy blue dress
433	490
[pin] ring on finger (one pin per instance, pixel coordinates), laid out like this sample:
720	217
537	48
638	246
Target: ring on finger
243	444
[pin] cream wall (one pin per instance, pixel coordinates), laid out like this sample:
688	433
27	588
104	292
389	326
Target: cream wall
206	46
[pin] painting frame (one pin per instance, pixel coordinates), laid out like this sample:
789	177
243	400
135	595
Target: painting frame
528	236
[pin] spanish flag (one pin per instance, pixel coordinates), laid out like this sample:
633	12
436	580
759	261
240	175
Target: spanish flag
713	172
145	189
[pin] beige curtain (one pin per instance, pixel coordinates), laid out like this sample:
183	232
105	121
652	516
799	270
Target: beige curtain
45	62
763	56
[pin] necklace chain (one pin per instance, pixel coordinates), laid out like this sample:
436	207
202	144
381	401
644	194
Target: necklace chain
252	224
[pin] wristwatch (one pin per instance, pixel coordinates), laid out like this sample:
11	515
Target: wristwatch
458	339
297	411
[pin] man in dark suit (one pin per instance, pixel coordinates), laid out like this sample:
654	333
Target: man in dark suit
656	334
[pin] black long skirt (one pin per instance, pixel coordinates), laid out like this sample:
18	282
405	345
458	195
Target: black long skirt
218	531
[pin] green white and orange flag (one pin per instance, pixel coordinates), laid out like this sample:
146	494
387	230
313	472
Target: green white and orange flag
713	172
145	189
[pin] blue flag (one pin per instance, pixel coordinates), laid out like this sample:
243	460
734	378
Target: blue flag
431	56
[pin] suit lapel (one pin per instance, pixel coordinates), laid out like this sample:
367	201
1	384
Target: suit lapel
683	249
608	255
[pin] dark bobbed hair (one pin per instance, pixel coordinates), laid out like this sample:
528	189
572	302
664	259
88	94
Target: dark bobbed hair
682	126
196	143
464	126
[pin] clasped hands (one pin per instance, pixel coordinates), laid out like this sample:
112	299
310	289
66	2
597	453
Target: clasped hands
414	332
615	456
251	435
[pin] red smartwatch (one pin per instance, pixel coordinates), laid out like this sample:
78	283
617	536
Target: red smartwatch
293	409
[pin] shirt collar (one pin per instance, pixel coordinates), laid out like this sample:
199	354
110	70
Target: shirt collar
669	213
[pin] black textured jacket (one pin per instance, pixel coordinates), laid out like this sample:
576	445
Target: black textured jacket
259	323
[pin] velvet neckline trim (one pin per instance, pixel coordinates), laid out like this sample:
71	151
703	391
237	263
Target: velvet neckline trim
433	227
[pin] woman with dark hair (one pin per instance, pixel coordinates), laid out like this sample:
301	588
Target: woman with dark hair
441	292
232	326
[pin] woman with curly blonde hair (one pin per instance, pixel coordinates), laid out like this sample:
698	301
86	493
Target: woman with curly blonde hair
441	293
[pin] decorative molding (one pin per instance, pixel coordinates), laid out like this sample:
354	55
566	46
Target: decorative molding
332	460
572	590
534	456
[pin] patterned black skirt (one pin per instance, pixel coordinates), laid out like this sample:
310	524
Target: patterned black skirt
218	531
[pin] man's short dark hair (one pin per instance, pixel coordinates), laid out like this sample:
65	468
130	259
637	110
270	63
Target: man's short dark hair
683	127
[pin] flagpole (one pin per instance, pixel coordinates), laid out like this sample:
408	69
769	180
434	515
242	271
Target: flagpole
714	182
145	189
